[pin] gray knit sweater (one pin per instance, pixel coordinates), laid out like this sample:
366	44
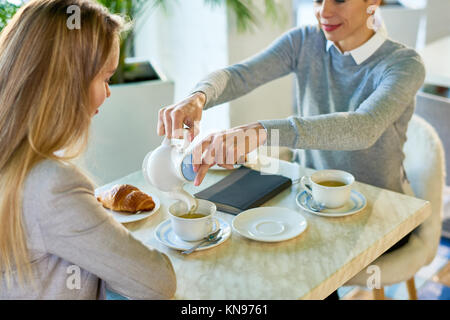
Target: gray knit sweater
77	249
350	117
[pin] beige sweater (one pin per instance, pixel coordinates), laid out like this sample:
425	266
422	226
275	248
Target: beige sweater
76	247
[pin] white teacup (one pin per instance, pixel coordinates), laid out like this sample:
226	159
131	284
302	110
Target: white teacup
192	229
333	194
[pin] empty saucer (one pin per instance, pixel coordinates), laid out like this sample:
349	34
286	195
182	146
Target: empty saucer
356	203
269	224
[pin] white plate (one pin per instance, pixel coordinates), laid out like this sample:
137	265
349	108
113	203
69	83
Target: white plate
164	234
216	167
269	224
356	203
124	217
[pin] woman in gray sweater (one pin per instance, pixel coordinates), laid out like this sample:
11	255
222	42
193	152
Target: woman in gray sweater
355	96
56	240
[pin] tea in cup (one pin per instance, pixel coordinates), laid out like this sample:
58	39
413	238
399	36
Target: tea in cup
330	188
192	226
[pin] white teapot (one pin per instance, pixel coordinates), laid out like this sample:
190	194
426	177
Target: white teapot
168	168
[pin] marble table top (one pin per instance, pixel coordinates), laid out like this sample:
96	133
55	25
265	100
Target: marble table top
310	266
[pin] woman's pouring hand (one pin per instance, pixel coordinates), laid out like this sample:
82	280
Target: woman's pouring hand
227	148
187	112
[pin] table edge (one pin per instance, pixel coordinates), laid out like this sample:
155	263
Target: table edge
364	259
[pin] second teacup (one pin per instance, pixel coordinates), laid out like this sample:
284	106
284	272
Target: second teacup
192	226
330	188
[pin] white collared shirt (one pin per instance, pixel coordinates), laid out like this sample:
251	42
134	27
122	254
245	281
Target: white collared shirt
363	52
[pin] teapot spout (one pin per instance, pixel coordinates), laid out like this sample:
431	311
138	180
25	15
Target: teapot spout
188	199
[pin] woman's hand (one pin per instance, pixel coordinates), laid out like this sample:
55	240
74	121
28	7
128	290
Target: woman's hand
227	148
187	111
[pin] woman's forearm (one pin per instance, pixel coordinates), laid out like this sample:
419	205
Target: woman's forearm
353	130
229	83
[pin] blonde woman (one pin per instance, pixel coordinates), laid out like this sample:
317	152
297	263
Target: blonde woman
53	79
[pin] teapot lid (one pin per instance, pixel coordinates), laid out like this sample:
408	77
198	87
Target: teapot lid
187	168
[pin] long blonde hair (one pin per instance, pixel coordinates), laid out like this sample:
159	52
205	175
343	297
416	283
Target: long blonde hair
46	69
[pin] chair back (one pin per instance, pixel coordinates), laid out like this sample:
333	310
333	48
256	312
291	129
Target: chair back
436	111
425	168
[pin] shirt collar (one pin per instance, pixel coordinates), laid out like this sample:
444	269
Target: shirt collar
363	52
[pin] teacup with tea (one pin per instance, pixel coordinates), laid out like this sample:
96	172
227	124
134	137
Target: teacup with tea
330	188
192	226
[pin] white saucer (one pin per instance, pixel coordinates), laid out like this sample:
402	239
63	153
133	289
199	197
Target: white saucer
356	203
216	167
269	224
164	234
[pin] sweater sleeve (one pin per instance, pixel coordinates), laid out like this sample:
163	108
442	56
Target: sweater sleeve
358	129
75	227
278	60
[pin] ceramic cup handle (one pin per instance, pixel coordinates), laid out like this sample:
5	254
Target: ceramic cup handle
213	224
305	183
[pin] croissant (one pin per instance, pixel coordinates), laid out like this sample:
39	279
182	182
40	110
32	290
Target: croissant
125	197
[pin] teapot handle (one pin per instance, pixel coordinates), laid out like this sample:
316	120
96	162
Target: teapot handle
186	143
166	141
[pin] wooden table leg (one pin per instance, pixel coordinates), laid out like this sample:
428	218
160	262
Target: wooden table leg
412	293
378	294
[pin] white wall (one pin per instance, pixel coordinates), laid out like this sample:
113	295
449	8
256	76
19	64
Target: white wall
405	25
305	12
186	45
124	130
270	101
194	39
438	26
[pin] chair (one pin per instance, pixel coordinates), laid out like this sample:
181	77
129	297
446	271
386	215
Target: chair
436	111
424	165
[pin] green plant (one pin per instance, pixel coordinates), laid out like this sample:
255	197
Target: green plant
132	10
7	10
244	11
